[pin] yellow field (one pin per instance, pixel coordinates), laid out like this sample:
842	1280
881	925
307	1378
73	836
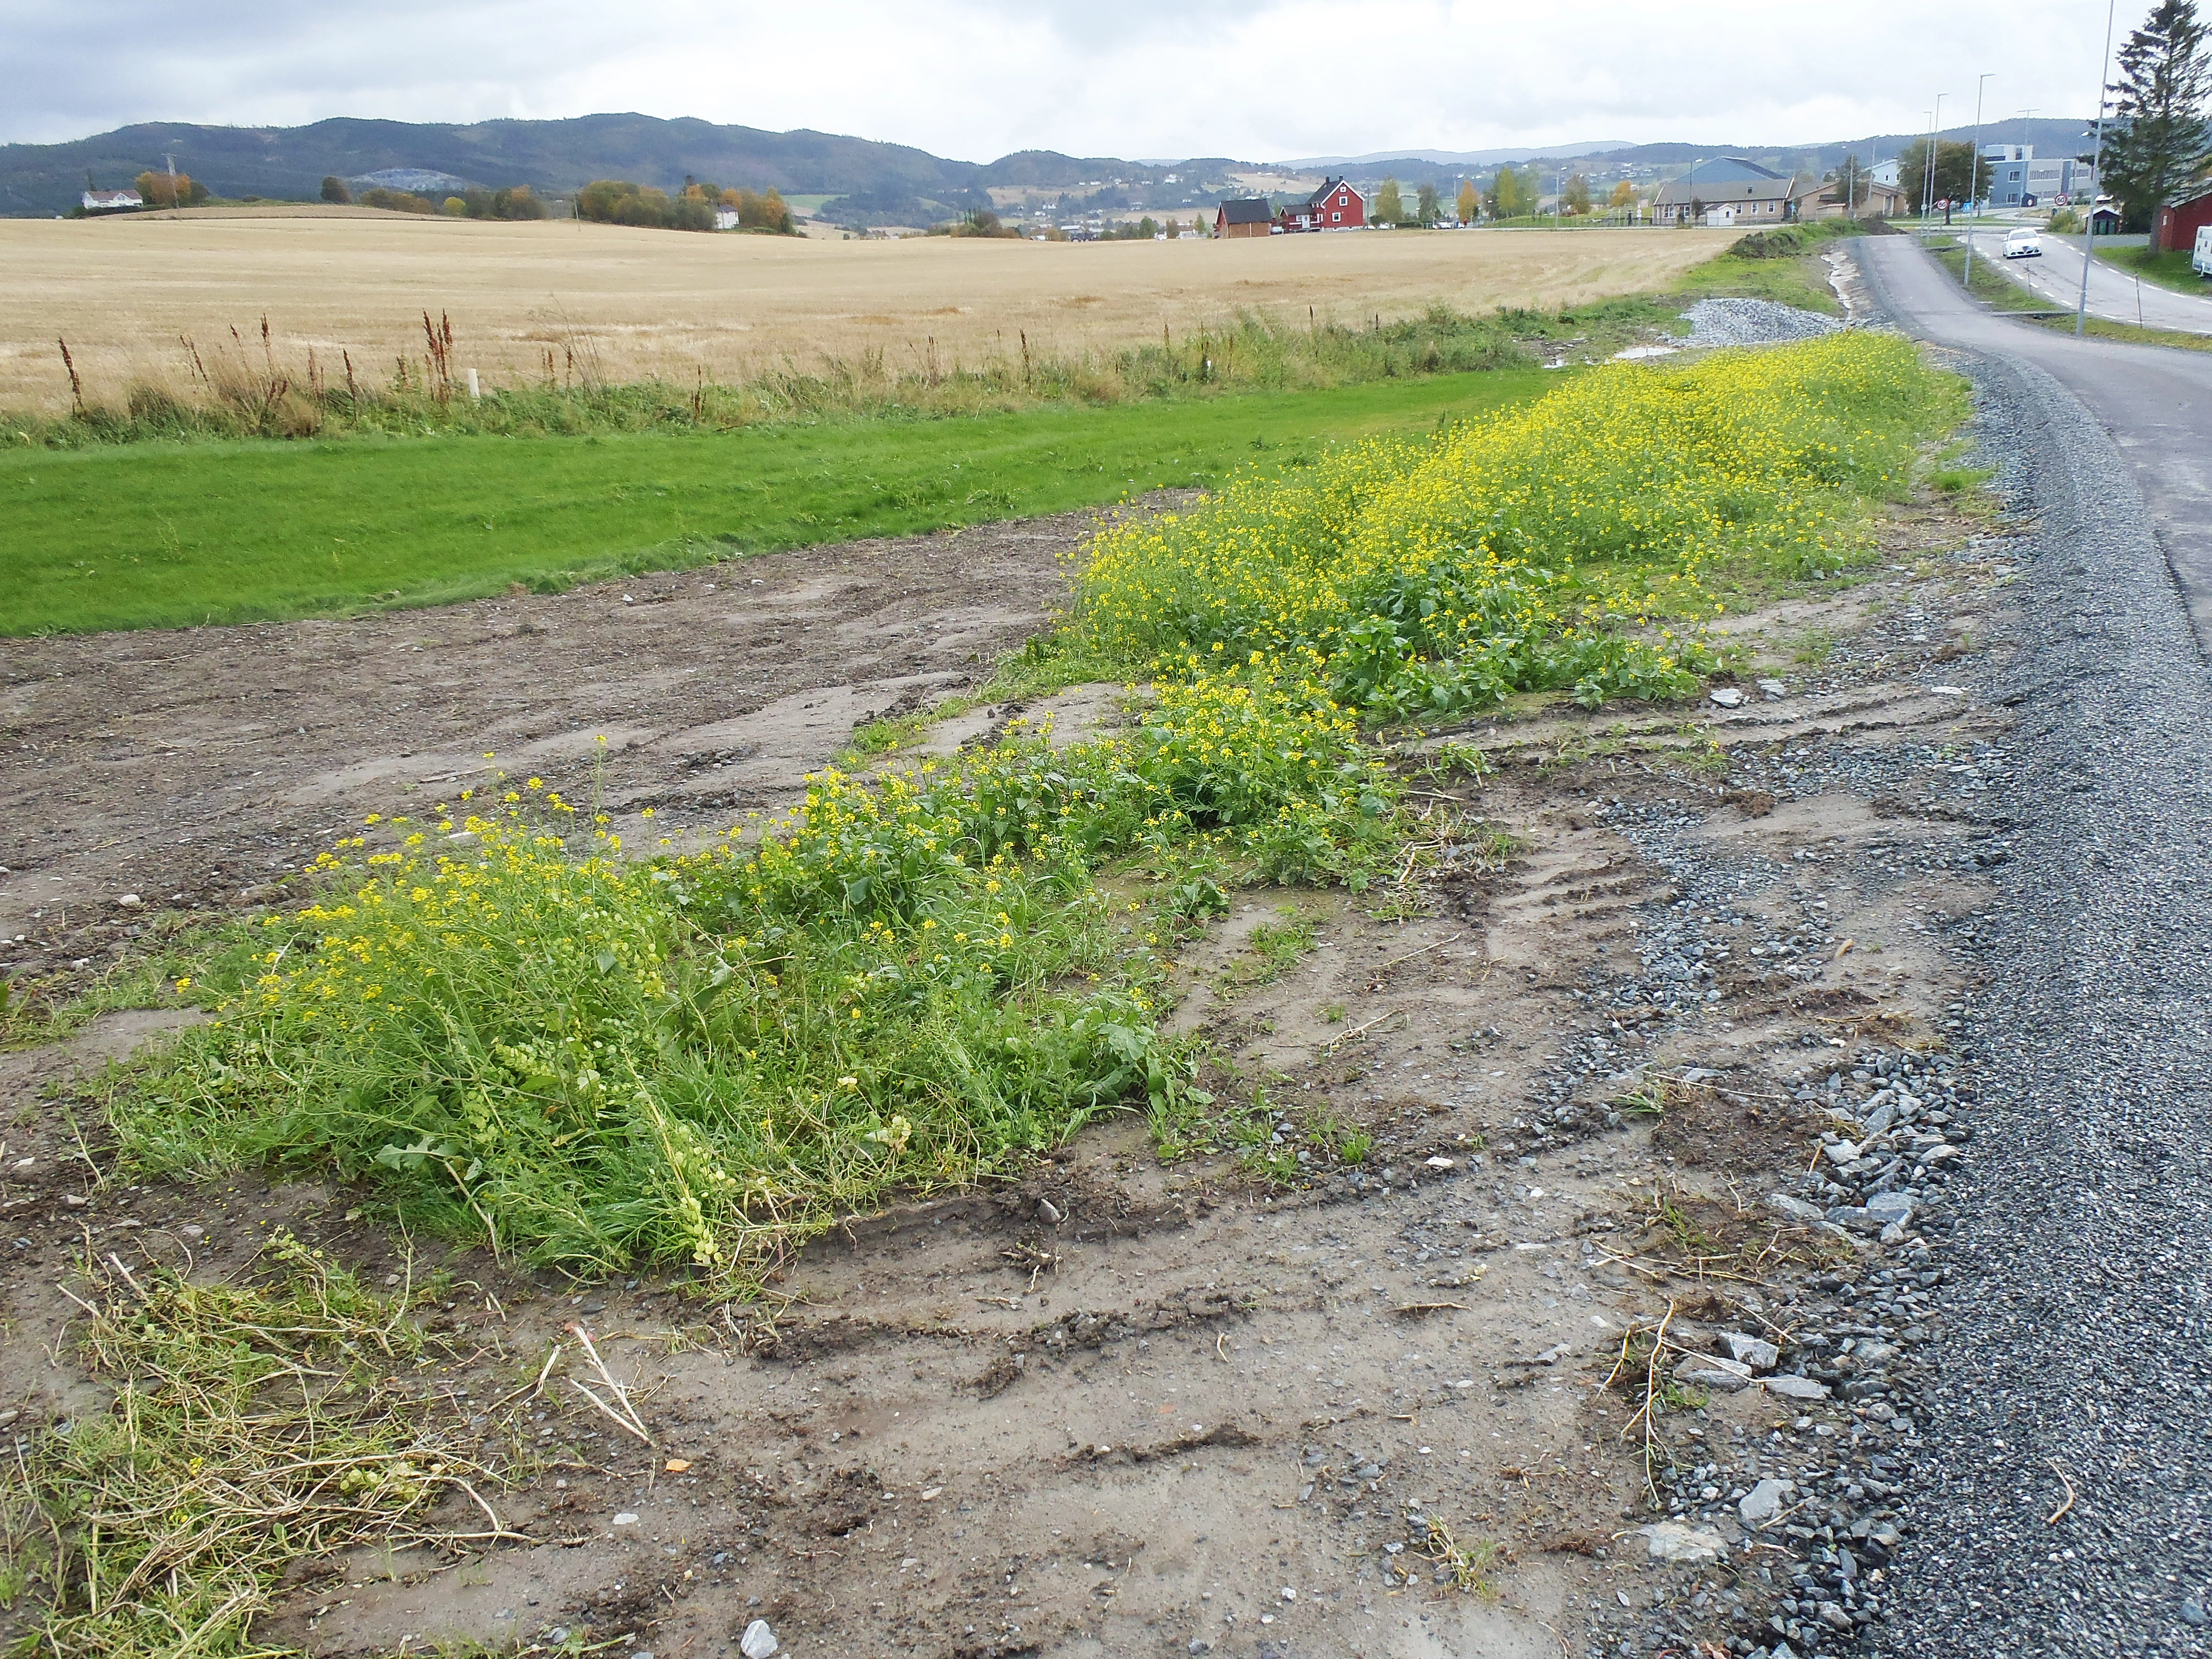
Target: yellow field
122	292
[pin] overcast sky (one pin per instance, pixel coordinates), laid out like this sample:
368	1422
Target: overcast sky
1256	79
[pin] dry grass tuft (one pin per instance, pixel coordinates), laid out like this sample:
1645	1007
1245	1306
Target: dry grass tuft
251	1423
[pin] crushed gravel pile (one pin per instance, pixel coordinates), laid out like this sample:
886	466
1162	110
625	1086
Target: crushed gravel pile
1752	322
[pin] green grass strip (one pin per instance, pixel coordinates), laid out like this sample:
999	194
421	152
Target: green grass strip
180	535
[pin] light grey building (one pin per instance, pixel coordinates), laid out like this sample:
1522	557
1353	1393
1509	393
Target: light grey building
2020	178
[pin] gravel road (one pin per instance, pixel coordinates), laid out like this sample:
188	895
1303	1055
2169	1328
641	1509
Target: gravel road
2067	1485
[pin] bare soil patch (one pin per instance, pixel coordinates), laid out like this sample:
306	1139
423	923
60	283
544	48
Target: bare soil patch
639	303
1122	1406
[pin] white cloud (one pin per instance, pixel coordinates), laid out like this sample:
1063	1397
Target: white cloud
976	78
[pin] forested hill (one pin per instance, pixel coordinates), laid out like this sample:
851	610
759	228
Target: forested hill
873	183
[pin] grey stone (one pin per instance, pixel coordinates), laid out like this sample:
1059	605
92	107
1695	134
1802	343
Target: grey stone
1796	1387
1842	1153
2192	1613
1773	690
1713	1377
1879	1119
1728	697
758	1642
1764	1501
1890	1206
1796	1209
1872	1352
1756	1351
1684	1546
1834	1616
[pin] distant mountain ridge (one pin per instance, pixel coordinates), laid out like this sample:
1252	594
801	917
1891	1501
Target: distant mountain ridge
1450	158
865	181
872	182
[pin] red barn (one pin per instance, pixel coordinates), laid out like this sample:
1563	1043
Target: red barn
2174	230
1335	206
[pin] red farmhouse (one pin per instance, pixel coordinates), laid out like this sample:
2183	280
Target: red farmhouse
1335	206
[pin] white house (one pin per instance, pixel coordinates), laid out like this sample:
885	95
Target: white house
726	218
111	201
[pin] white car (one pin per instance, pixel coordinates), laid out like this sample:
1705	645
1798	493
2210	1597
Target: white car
2200	256
2026	243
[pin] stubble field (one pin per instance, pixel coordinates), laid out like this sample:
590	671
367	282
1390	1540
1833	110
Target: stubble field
636	304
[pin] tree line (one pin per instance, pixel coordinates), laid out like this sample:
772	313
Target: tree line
620	202
508	202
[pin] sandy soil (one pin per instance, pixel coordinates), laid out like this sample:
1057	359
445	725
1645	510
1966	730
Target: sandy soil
1119	1407
658	303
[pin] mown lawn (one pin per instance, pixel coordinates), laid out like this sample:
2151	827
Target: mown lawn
172	535
2165	270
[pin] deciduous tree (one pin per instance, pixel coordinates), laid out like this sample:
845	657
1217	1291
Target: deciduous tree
1389	206
1470	202
1957	177
153	189
335	189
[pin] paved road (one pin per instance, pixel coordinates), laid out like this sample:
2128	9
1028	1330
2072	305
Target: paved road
2156	402
2079	1354
2114	294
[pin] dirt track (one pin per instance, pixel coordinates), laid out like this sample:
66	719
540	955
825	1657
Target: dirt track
1119	1407
189	767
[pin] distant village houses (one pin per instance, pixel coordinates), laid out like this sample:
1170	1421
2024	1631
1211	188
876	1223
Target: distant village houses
111	201
1730	191
1250	217
1876	200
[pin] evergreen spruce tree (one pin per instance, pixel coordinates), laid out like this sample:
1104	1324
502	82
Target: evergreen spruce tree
2160	143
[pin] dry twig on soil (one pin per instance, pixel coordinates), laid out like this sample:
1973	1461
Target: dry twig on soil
620	1410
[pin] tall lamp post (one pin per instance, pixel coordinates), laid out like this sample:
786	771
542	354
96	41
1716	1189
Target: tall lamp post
1935	143
1974	183
2096	179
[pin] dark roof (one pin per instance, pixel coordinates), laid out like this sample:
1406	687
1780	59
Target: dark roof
1716	193
1252	210
1328	189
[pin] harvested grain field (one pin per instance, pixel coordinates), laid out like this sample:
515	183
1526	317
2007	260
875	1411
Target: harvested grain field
638	303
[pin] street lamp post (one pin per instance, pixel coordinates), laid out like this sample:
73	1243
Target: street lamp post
1974	183
1935	143
2096	178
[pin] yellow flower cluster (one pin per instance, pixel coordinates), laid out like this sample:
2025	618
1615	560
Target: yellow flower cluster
1609	502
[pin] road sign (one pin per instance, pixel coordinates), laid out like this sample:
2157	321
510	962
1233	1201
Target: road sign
1944	202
